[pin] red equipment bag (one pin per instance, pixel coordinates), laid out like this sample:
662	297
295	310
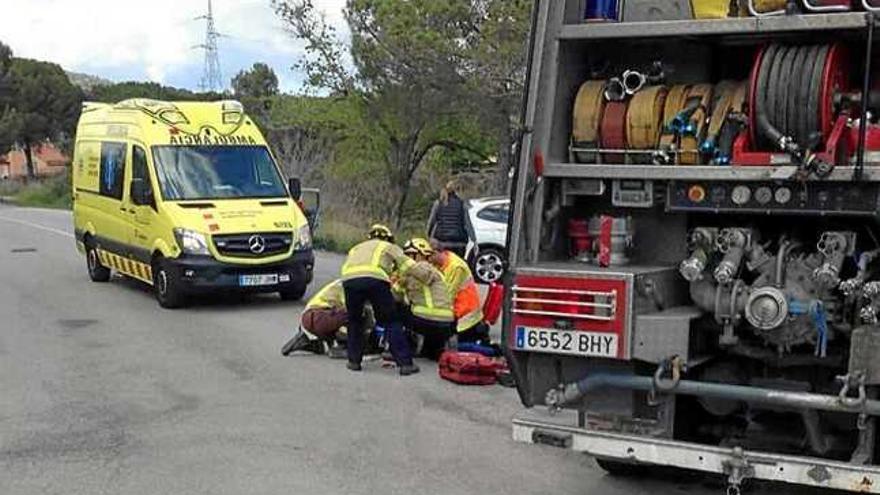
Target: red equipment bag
470	368
494	301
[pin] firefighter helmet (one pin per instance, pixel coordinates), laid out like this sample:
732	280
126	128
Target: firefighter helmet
381	232
418	246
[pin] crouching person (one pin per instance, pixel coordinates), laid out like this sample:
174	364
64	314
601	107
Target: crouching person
468	310
323	321
428	308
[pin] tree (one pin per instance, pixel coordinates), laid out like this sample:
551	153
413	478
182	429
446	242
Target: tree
114	93
413	74
259	81
9	123
46	105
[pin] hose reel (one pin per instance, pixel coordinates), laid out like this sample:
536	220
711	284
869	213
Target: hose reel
791	102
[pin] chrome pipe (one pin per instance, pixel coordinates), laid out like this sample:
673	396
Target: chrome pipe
796	401
824	8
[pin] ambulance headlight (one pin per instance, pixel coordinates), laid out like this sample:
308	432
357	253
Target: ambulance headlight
192	242
303	238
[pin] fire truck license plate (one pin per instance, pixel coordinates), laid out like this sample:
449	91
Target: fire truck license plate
571	342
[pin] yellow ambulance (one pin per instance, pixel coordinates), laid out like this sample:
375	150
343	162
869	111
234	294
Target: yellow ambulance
186	197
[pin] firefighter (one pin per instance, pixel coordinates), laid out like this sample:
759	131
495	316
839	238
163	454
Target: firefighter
366	277
323	320
469	324
428	311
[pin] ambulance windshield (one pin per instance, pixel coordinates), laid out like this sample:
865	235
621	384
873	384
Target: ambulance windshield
216	172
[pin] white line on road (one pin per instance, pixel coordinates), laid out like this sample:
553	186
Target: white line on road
38	227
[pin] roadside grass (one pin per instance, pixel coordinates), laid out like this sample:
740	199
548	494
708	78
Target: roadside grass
338	236
53	192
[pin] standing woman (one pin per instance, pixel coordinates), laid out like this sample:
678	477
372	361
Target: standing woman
449	221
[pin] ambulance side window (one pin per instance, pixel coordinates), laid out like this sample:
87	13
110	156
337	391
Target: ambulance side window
112	170
139	164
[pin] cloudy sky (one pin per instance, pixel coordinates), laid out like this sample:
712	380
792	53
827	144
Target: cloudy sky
152	40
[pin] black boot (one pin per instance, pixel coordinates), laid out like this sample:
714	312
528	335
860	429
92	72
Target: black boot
408	369
299	342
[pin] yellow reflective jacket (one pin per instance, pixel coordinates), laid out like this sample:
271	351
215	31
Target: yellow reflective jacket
427	294
463	291
331	296
376	259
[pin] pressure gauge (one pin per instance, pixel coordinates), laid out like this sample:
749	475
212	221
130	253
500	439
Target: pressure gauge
741	195
783	195
763	195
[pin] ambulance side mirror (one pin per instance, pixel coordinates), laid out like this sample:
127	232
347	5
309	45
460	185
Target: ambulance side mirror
295	186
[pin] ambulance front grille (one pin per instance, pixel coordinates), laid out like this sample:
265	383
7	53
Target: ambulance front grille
248	245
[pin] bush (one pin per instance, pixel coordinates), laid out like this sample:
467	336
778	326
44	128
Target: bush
52	192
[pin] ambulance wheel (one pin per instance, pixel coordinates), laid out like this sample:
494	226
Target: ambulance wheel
621	469
97	271
294	293
166	286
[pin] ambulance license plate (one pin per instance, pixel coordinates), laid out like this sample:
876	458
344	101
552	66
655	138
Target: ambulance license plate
258	280
571	342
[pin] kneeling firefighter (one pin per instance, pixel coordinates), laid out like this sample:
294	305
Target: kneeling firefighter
469	324
366	277
428	311
323	321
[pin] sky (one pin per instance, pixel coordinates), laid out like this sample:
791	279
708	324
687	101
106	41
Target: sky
152	40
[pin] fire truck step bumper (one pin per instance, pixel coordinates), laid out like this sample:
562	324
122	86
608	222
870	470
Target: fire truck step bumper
534	427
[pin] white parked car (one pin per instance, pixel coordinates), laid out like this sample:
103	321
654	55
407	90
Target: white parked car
489	217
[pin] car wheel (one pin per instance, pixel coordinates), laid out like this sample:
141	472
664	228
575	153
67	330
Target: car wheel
294	293
489	265
97	271
166	286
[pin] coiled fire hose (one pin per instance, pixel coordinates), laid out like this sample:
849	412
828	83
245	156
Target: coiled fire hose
588	109
727	111
791	106
668	144
613	131
693	123
644	120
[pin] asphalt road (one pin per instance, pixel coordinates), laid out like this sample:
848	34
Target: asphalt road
102	392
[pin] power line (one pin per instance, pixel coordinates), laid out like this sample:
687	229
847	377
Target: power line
212	78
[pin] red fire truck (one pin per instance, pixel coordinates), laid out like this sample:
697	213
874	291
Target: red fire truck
694	278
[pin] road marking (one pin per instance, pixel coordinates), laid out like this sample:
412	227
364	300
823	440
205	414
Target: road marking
38	227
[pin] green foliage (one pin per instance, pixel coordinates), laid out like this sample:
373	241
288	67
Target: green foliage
434	83
53	192
114	93
259	81
41	104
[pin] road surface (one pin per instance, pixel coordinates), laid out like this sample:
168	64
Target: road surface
102	392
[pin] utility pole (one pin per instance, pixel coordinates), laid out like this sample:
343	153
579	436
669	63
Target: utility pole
212	79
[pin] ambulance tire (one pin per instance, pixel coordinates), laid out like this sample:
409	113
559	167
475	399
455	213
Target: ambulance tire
295	293
97	271
166	286
621	469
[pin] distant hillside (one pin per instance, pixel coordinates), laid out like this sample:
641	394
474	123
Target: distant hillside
87	82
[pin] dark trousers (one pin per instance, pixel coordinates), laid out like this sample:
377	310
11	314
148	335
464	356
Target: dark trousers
435	333
477	334
358	292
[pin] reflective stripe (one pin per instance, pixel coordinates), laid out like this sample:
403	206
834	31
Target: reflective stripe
433	314
330	296
126	266
469	320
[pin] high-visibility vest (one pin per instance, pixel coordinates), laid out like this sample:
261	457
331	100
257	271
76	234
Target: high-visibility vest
426	293
463	290
376	259
331	296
